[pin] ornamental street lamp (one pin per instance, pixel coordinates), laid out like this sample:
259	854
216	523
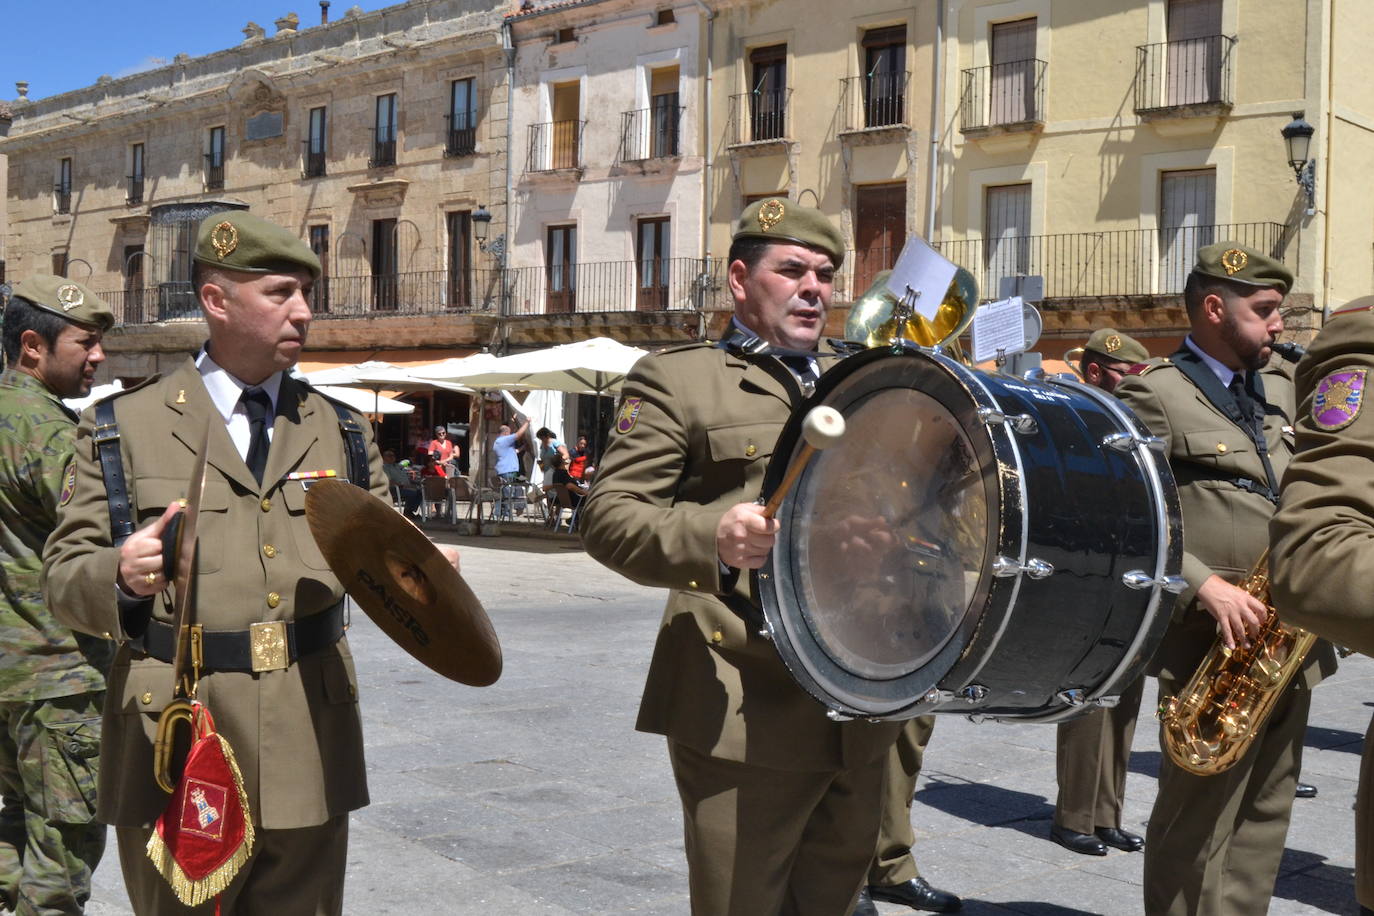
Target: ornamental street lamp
1297	136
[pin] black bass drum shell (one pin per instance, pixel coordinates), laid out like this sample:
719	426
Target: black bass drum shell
976	543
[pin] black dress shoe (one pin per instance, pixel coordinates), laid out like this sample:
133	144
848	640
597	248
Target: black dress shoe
1082	843
865	905
917	894
1305	790
1120	839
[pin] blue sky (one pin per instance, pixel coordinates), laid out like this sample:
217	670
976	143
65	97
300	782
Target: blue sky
69	44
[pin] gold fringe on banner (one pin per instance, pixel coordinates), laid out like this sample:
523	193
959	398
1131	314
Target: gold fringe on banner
194	893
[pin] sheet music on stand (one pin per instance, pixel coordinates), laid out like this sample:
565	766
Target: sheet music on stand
923	273
998	330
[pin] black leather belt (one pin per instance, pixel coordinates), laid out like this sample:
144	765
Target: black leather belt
262	647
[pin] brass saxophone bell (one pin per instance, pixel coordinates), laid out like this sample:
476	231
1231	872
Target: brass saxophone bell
876	319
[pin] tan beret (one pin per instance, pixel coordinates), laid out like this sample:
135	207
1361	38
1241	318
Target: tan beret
781	220
1112	344
238	240
67	298
1239	264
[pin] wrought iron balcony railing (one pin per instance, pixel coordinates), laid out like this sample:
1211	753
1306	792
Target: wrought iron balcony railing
656	284
555	145
761	115
62	198
315	162
383	153
135	195
1003	95
875	100
462	135
1111	264
650	133
214	173
1180	74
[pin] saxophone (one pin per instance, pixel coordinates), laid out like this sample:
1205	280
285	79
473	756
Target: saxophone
1212	722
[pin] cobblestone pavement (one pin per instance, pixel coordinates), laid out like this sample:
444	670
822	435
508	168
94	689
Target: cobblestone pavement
536	795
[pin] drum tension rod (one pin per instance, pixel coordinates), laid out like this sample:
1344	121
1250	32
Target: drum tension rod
1076	696
1139	579
1036	568
1023	423
1129	442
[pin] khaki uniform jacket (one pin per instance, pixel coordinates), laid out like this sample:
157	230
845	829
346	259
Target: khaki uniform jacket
704	430
1324	528
296	732
1225	528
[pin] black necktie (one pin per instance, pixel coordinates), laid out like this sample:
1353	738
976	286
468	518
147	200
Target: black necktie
259	406
804	369
1244	402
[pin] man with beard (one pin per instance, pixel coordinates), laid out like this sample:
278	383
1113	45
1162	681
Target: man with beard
52	681
1225	413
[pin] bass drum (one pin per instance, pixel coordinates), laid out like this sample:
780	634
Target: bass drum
976	543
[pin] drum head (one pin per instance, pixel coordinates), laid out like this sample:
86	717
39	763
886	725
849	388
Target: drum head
871	590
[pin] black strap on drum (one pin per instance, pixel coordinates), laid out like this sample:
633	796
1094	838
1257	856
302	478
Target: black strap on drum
1201	375
106	439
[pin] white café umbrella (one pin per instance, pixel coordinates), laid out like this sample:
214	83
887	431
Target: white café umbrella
377	376
363	401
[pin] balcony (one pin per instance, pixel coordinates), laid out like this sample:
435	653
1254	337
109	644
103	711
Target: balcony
874	101
214	173
1184	77
383	154
1003	97
555	146
462	135
62	198
315	166
760	116
650	133
1113	264
134	197
657	285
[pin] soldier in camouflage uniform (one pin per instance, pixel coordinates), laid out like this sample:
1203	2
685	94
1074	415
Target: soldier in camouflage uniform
52	680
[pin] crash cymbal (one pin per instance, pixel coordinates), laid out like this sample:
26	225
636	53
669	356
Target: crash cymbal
401	580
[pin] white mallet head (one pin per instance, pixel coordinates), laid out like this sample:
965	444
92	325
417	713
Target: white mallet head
822	427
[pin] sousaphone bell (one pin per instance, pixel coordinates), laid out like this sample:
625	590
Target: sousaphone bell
878	318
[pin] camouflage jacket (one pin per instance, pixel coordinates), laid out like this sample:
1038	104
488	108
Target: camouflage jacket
39	658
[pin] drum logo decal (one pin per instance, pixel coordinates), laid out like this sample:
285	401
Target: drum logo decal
629	415
1338	399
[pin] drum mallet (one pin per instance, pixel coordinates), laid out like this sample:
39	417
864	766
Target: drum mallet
823	427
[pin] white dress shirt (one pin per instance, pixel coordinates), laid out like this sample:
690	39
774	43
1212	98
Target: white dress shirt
226	391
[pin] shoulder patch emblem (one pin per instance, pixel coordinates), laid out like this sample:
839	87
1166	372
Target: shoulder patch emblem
629	415
1338	399
68	483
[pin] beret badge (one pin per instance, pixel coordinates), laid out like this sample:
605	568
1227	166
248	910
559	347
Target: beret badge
225	238
770	214
1233	260
70	296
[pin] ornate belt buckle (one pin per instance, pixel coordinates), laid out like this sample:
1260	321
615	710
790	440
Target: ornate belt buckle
268	643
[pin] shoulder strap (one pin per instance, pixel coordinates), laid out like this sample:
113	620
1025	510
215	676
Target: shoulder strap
354	445
106	439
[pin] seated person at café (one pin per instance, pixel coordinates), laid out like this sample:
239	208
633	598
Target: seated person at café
579	454
444	450
562	480
551	451
403	489
432	468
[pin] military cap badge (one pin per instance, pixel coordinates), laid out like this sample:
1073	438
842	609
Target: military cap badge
770	214
1338	399
225	238
70	296
1112	343
1233	260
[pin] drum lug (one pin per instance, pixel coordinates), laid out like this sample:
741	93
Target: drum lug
1129	442
1036	568
1023	423
973	694
1139	579
1071	697
1108	702
834	715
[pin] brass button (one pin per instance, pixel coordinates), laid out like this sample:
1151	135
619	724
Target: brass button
1221	448
147	698
352	692
717	637
107	636
266	504
273	599
269	551
750	450
692	584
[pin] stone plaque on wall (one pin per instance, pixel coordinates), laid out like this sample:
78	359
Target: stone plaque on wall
264	126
